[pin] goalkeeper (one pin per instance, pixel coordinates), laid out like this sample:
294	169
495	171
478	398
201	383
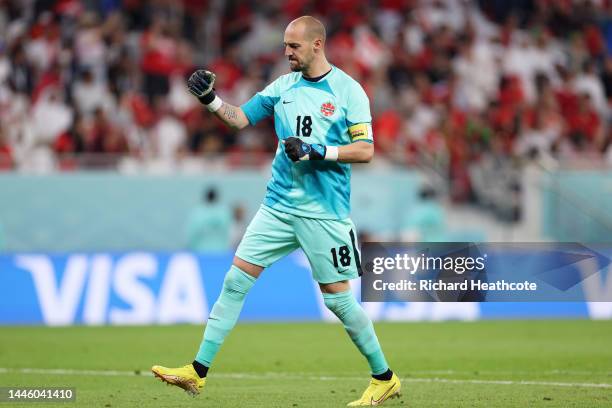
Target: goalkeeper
323	123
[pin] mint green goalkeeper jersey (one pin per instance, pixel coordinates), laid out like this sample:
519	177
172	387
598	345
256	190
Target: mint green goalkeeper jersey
333	111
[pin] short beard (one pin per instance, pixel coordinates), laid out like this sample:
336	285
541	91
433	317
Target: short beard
297	67
301	66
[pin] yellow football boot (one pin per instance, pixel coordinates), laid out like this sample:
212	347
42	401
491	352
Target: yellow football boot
378	392
184	377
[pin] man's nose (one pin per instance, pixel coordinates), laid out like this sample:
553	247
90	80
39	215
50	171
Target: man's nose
288	52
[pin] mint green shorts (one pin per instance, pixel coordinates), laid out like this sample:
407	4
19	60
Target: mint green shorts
329	245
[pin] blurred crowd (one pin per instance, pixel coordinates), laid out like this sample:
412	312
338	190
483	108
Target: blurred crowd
466	88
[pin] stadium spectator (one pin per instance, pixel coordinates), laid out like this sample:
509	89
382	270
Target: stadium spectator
88	95
584	124
90	49
588	82
606	79
535	136
387	129
6	157
21	72
169	133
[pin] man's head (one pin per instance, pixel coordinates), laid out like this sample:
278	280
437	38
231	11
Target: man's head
210	195
304	42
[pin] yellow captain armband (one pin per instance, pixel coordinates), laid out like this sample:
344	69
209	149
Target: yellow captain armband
361	131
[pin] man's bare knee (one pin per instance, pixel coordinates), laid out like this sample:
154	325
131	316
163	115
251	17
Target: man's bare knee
335	287
251	269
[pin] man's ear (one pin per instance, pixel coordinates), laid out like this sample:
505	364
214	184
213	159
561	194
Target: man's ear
317	44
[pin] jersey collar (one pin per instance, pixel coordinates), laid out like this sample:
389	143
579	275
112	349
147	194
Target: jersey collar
320	77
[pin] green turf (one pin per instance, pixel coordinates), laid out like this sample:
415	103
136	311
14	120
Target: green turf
315	365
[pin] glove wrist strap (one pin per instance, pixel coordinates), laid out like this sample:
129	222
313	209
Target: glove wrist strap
208	97
331	153
215	104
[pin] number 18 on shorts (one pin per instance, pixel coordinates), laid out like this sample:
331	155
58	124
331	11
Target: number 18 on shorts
330	245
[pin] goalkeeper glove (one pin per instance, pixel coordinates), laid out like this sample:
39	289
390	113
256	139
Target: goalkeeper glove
200	84
297	150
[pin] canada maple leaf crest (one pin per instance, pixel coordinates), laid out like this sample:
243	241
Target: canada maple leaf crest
328	109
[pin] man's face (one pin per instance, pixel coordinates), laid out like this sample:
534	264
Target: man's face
298	50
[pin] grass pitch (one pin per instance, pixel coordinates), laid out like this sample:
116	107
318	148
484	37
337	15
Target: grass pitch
450	364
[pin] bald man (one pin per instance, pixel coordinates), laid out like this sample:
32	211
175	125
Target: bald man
323	123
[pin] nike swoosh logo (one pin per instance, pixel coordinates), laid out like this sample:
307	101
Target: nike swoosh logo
286	102
382	397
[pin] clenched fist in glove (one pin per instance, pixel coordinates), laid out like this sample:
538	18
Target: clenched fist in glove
297	150
200	84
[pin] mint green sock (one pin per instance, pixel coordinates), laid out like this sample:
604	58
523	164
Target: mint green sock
359	328
224	313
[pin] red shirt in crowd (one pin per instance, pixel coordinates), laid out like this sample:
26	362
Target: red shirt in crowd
585	122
